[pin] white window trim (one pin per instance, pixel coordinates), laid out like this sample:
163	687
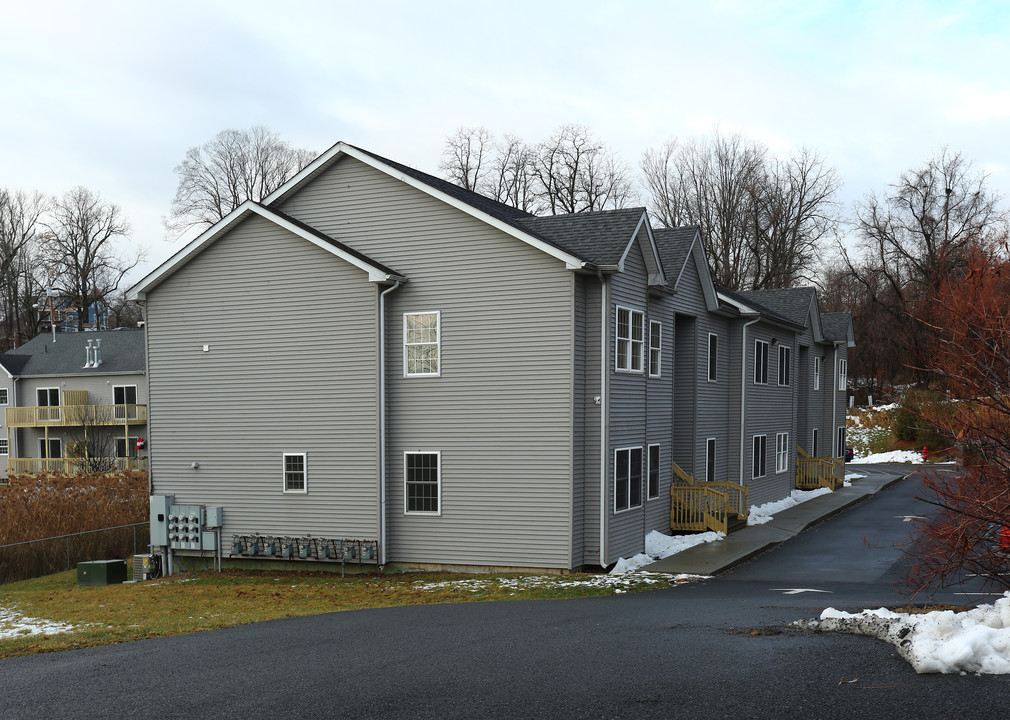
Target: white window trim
438	488
58	456
843	372
817	373
713	377
131	447
757	354
305	473
763	456
648	472
781	453
641	344
656	371
125	414
6	396
785	352
438	343
6	449
640	502
714	444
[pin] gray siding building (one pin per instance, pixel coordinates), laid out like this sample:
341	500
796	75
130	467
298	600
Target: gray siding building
372	352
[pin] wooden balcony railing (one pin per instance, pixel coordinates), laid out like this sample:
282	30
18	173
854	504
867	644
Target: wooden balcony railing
818	472
76	415
699	506
67	466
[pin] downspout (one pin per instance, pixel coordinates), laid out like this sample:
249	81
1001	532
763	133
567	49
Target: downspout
382	421
834	406
743	392
604	424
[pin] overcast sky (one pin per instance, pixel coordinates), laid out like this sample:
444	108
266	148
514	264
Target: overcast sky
112	98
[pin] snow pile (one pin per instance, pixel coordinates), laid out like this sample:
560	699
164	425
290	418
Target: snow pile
659	546
976	641
617	583
13	624
849	477
760	514
894	456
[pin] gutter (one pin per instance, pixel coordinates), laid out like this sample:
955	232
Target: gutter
604	420
743	391
382	420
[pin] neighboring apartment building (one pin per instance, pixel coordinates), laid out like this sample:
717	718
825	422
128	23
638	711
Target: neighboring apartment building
372	352
75	401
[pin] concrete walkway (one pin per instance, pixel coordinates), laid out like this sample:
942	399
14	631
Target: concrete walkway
715	557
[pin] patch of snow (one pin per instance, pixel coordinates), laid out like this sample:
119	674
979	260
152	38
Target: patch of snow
618	583
13	624
760	514
894	456
659	546
881	408
853	476
977	641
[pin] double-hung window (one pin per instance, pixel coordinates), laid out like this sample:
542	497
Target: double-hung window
817	373
627	478
655	348
841	442
781	452
713	357
3	396
630	345
843	371
421	344
760	450
422	484
784	353
654	467
760	362
295	472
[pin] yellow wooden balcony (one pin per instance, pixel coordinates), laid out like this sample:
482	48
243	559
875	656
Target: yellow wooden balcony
76	415
67	466
818	472
699	506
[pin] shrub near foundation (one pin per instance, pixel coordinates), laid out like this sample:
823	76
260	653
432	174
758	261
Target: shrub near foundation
33	507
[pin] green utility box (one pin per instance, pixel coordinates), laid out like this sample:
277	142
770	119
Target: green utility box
101	572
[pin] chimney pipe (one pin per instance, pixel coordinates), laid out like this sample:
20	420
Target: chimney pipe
87	352
98	353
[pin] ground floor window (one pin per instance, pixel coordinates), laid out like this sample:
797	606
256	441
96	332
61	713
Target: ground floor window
126	447
710	459
422	482
54	449
841	442
3	446
760	450
627	478
813	443
295	472
654	464
781	452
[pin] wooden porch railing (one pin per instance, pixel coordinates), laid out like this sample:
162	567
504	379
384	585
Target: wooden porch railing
818	472
699	506
76	415
67	466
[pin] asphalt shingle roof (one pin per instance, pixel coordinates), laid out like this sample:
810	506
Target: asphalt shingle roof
791	303
599	237
836	325
674	244
756	305
122	352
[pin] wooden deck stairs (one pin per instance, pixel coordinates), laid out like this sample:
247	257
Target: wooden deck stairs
699	506
818	472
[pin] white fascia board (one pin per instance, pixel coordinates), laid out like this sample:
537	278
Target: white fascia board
571	262
200	243
744	309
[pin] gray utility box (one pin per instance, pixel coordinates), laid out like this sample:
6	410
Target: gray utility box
101	572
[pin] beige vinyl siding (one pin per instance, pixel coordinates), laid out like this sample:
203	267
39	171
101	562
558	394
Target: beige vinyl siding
590	424
501	413
291	367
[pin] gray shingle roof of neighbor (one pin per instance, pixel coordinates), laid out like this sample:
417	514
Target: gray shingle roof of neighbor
122	352
674	244
836	325
790	303
13	363
767	312
599	237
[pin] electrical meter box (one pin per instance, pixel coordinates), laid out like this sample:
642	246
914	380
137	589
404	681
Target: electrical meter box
159	518
215	517
101	572
185	527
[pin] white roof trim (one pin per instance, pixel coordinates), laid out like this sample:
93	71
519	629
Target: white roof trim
200	243
744	309
571	262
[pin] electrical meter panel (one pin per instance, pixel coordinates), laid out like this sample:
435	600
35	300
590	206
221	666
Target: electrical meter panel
186	524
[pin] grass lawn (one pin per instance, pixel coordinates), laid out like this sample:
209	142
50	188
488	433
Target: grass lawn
192	602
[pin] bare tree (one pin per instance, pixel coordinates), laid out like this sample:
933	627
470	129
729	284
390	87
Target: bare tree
218	176
465	157
123	312
511	178
20	216
92	435
80	243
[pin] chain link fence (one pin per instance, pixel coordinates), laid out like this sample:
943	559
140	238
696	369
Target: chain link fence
35	558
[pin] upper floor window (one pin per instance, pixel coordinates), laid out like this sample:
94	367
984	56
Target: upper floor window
125	399
421	344
3	396
295	472
817	373
760	362
713	357
843	371
784	353
630	340
655	348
